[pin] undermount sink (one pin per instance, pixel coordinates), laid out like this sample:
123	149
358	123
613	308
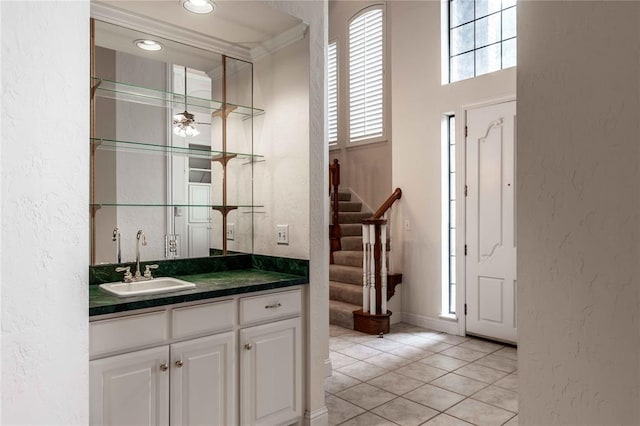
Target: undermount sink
154	286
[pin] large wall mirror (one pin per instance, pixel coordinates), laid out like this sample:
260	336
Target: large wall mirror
171	149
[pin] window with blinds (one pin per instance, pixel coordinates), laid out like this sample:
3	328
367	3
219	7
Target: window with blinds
333	93
366	74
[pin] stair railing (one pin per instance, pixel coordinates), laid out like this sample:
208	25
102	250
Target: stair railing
374	259
334	226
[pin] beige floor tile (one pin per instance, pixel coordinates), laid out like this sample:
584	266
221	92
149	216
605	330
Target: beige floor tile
411	352
388	361
366	396
357	337
464	353
336	343
481	373
499	363
450	339
362	370
396	383
446	420
481	346
405	412
336	330
383	344
368	419
340	410
479	413
510	383
409	339
427	334
339	360
444	362
508	352
499	397
459	384
359	351
434	397
512	422
434	346
339	382
420	371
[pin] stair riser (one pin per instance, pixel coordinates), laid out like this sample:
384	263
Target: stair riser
347	293
348	260
350	206
352	277
344	196
342	319
353	217
351	230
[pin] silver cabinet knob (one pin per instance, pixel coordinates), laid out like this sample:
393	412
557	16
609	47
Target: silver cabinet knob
164	367
179	363
248	346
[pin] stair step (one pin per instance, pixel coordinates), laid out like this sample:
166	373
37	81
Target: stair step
353	217
348	258
344	195
343	292
351	243
350	229
350	206
341	313
345	274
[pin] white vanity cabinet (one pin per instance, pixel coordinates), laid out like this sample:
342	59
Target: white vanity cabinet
187	365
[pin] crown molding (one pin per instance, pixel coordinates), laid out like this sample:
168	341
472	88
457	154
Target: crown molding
113	15
280	41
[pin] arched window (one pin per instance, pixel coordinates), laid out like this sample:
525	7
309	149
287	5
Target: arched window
366	74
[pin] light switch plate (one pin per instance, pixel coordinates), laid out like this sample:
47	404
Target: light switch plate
282	234
231	231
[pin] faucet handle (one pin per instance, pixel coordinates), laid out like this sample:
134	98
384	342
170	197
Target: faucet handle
127	273
147	270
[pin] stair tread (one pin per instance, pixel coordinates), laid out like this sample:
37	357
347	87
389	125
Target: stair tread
350	206
345	274
343	306
350	229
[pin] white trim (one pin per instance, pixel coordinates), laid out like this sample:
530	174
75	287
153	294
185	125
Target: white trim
114	15
437	324
444	39
279	41
328	368
319	417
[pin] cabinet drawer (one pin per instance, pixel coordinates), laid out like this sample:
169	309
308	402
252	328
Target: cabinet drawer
270	306
127	332
209	317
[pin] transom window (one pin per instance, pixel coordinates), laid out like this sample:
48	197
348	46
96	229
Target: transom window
482	37
366	75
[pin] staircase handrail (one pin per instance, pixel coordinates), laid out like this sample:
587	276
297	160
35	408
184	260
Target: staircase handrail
396	195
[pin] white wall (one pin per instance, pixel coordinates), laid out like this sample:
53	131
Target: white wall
45	221
578	203
419	102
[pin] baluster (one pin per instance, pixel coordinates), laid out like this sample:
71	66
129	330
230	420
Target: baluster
365	268
383	269
389	216
372	272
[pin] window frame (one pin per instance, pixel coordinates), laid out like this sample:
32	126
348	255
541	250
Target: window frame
385	84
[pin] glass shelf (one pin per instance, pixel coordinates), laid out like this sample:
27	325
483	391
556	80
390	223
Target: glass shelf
154	97
128	146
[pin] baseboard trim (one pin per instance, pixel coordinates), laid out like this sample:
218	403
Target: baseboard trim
328	368
438	324
319	417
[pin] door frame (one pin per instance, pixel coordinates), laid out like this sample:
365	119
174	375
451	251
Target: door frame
461	203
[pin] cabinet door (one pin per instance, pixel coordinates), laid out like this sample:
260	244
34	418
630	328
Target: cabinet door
130	389
203	381
271	357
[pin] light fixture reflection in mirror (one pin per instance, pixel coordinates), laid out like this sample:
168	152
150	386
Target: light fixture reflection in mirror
183	123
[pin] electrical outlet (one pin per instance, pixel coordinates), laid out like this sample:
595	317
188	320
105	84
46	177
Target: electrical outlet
282	234
231	231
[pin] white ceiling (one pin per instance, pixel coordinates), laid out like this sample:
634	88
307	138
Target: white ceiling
245	22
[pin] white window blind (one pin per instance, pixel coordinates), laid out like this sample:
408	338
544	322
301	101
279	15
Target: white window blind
333	93
366	76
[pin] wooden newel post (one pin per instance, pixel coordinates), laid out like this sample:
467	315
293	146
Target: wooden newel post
334	228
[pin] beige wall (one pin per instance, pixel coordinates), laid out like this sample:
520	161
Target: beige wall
578	204
419	102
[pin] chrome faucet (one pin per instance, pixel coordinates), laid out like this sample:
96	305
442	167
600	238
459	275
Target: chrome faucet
116	238
140	235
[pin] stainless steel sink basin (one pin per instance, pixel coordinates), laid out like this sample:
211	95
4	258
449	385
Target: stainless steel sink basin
154	286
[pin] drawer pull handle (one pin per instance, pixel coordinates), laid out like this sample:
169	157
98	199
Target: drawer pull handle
179	363
275	305
248	346
164	367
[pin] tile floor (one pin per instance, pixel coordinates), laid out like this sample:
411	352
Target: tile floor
415	376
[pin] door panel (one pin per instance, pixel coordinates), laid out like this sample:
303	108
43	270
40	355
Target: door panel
490	221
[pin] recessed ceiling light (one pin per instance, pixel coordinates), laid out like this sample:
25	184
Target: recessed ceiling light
199	6
151	45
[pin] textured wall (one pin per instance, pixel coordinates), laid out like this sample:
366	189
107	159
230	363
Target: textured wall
45	197
419	102
578	207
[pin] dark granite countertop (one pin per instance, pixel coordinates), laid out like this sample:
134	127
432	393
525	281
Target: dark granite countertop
260	273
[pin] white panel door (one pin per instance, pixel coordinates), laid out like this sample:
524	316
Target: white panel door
271	369
130	389
199	226
490	222
203	381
